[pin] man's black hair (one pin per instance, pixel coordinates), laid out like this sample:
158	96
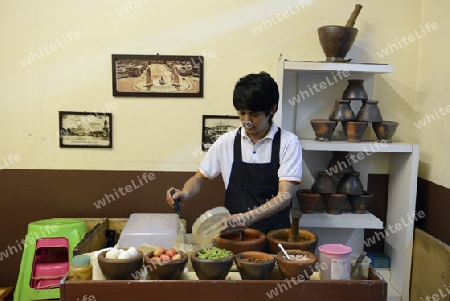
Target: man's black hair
256	92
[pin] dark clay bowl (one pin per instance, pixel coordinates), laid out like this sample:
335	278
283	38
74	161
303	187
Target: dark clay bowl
354	130
252	240
165	270
211	269
254	270
294	268
120	269
336	41
385	130
307	240
323	128
359	203
308	200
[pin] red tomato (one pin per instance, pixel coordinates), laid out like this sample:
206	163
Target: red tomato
171	252
165	257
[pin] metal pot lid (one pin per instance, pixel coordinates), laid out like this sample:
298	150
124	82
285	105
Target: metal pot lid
209	225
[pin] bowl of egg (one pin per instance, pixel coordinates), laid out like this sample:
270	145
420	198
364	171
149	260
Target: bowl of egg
120	264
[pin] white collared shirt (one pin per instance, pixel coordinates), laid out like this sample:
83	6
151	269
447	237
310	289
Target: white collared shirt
219	158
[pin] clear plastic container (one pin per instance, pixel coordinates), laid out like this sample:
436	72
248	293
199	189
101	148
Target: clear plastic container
156	229
335	262
361	270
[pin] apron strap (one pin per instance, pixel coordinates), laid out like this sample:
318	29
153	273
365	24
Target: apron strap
237	146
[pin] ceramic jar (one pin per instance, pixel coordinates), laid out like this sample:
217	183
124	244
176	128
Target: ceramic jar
360	203
342	111
351	184
323	128
385	130
334	202
355	90
354	130
308	200
369	112
323	184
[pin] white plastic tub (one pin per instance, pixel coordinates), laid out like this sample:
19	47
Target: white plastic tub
337	260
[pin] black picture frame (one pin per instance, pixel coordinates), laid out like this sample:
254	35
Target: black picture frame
157	75
85	130
213	126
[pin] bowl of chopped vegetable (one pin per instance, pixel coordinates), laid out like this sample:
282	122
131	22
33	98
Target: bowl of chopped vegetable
301	264
212	263
254	265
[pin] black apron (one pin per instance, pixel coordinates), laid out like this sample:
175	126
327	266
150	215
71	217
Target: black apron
253	184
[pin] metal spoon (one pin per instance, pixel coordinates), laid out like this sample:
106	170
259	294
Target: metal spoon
284	252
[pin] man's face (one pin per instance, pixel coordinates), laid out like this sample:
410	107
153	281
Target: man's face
255	123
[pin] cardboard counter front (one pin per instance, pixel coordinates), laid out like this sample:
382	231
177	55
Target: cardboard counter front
189	288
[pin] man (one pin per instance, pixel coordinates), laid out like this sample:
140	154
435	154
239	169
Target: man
259	162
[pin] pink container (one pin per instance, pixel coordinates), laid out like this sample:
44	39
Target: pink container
337	260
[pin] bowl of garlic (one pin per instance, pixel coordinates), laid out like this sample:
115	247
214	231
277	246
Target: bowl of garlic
120	264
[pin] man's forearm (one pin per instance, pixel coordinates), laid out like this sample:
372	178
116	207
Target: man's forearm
192	186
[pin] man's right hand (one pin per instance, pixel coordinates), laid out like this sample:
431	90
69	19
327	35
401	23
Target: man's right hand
177	195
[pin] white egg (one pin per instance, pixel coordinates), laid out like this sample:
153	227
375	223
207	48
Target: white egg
112	254
132	251
124	255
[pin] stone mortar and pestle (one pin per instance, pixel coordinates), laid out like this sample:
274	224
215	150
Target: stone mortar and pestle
336	40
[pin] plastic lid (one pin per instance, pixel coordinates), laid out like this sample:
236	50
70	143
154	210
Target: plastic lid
81	260
210	224
335	249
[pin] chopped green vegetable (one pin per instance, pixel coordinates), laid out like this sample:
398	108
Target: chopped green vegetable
214	253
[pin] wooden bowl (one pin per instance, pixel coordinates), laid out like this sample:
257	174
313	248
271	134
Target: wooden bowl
254	265
165	270
252	240
120	269
336	41
307	240
294	268
211	269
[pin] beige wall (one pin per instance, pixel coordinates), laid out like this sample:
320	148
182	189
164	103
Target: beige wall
432	90
162	134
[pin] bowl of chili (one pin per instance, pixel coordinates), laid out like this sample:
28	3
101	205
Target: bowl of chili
253	265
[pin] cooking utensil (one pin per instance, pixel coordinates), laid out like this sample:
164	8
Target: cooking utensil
176	204
354	15
358	261
284	252
293	233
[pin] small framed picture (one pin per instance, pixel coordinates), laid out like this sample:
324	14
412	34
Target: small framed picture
214	126
85	129
157	75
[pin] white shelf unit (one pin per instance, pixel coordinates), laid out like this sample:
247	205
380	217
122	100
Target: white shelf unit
308	91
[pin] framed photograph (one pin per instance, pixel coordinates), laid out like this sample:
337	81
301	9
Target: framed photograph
85	129
214	126
157	75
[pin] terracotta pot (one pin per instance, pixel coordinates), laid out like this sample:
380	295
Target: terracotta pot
323	184
385	130
342	111
294	268
351	184
254	270
340	163
354	130
369	112
308	200
323	128
360	203
334	202
336	41
120	269
170	270
307	240
252	240
211	269
355	90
